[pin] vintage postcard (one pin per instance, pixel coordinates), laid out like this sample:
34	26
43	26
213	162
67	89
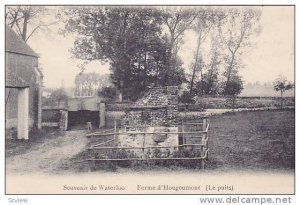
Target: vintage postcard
149	99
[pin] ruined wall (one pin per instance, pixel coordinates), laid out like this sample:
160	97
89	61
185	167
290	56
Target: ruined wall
156	112
158	107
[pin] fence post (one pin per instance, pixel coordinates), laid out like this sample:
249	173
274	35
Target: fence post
202	164
144	139
183	138
204	125
115	131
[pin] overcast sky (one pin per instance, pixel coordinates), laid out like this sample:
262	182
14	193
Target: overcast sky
273	54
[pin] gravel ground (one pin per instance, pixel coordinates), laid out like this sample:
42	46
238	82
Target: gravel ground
49	155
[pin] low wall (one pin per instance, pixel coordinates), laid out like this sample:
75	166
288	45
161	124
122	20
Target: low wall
50	124
243	102
150	140
50	115
117	106
51	118
111	116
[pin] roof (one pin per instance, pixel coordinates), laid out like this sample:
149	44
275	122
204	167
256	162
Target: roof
14	44
83	103
14	81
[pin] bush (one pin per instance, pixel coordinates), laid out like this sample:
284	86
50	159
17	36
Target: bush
186	97
109	93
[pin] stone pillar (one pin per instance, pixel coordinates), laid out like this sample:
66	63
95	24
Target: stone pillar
102	115
23	113
63	122
119	97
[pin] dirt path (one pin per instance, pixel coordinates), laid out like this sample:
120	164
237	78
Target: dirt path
50	156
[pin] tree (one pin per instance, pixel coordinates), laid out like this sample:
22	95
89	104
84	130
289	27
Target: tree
58	96
26	20
235	32
234	86
88	84
128	38
281	84
210	80
108	93
177	21
205	20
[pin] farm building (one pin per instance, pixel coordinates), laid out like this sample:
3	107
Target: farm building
23	87
75	114
82	110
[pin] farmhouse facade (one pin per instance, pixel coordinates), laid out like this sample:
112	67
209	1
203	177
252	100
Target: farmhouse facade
23	87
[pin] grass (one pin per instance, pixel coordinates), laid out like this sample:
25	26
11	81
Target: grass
249	140
252	140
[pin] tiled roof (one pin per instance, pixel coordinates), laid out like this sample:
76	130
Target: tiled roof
14	44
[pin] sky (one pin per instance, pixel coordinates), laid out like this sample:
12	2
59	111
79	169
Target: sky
272	55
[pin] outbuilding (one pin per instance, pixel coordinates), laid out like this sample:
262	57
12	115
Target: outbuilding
23	87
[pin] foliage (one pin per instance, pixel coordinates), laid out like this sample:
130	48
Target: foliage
130	39
186	97
234	87
109	93
281	84
56	97
235	31
206	19
87	84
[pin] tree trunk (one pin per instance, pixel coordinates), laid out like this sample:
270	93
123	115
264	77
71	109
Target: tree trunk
195	65
229	73
25	22
201	73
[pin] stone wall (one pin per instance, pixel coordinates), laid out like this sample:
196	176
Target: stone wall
63	122
156	112
24	67
158	107
151	141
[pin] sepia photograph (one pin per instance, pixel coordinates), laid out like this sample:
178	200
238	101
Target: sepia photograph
149	99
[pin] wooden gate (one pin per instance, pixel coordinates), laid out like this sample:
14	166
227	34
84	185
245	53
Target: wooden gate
193	136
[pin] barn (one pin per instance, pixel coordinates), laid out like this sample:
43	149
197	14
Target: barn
82	110
23	87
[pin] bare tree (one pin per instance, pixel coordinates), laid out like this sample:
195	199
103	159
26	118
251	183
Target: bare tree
235	31
177	20
26	20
